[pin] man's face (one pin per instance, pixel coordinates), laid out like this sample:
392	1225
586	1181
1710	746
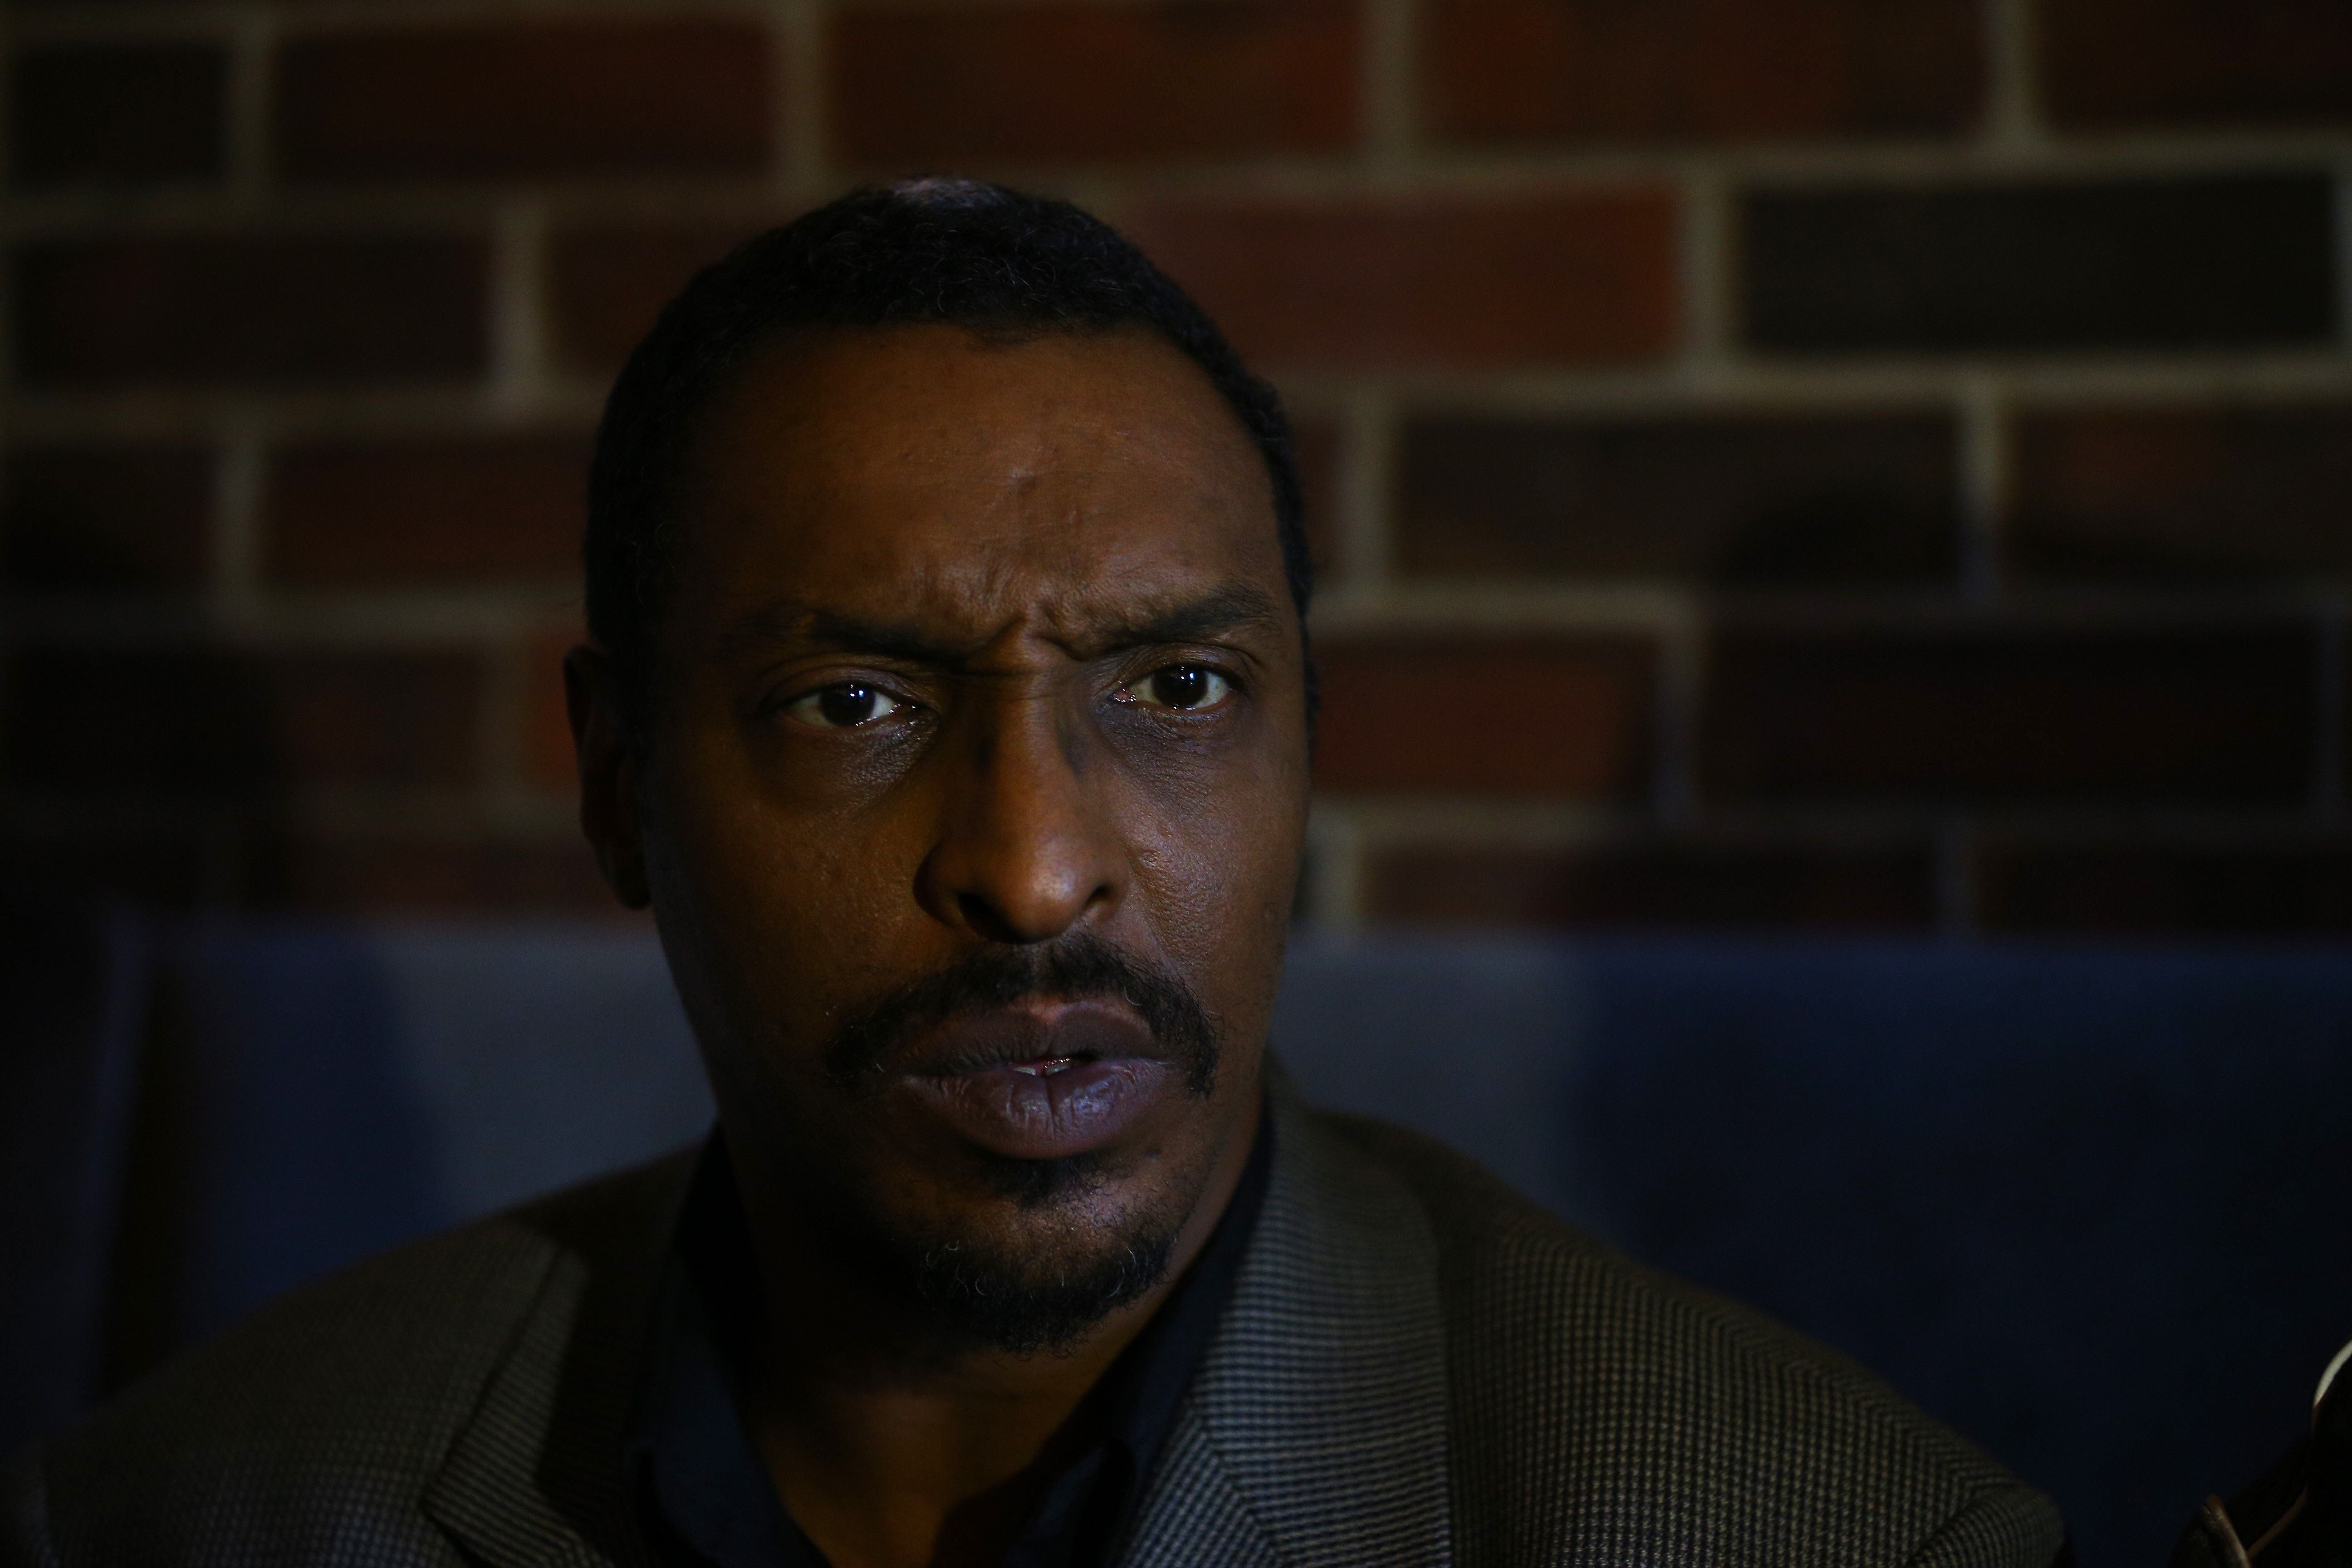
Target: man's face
973	804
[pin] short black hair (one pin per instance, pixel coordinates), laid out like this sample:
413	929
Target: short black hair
998	262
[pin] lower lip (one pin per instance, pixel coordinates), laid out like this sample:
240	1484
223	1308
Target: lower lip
1049	1114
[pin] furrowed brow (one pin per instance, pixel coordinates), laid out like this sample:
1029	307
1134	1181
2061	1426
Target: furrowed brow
1235	607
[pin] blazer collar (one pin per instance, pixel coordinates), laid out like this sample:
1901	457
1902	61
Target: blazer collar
1316	1430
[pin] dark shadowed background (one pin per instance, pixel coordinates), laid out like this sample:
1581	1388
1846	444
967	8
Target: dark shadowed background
1799	468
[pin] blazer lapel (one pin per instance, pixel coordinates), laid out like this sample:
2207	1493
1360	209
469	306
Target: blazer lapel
536	1476
1314	1430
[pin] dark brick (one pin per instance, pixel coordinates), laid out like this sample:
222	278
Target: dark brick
2154	887
942	87
430	512
213	309
1367	283
2183	495
1743	500
2225	261
528	101
1318	447
115	113
1701	70
1521	716
2109	64
379	875
548	761
605	286
235	725
1659	883
93	519
2219	716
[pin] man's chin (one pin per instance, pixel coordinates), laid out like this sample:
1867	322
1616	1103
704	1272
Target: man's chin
976	1298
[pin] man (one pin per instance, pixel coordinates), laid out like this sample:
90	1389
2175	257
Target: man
949	704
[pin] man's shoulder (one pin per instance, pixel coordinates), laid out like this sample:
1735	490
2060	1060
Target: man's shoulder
1584	1386
331	1408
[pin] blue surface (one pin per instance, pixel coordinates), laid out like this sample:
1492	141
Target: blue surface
2088	1204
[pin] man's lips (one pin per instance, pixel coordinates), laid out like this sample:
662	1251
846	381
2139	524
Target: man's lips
1040	1082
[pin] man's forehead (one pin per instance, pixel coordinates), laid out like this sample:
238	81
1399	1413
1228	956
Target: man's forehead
1077	491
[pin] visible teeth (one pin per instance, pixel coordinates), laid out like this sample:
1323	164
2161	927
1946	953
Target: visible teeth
1045	1068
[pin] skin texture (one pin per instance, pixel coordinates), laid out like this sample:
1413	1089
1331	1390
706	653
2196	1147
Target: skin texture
1007	544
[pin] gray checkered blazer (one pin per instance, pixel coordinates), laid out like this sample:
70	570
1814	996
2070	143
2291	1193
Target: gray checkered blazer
1416	1367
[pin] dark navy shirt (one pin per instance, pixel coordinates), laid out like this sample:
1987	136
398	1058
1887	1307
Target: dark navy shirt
706	1497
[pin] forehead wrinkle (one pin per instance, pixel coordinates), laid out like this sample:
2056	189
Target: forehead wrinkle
1081	631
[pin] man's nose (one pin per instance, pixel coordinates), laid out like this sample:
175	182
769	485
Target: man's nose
1025	850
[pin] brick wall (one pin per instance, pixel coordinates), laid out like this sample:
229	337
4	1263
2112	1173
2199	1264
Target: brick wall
1879	464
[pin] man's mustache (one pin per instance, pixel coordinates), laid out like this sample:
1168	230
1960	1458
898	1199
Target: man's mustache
874	1041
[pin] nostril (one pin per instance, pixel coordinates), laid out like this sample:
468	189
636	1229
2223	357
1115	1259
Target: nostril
984	919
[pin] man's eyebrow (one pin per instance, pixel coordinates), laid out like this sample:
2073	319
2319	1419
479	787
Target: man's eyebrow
1235	606
1231	607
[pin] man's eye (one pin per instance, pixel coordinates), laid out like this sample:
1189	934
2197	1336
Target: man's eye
843	706
1183	687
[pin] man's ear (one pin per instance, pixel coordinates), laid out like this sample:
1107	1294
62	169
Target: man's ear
609	811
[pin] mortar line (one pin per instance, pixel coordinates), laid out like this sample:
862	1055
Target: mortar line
1984	479
1386	84
803	165
517	326
1335	900
1366	488
234	592
2012	114
252	41
1705	271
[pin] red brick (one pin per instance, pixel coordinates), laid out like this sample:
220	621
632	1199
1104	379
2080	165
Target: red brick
1559	278
2107	64
378	875
94	518
1520	716
2139	887
1657	883
2220	715
585	100
1724	499
2184	495
212	310
605	286
1203	78
233	724
116	113
418	513
1701	70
